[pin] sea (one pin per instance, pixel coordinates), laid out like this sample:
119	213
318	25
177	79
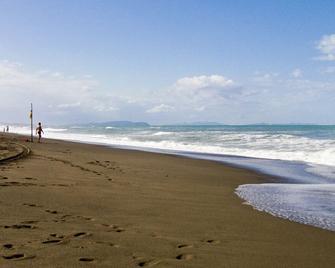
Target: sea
301	158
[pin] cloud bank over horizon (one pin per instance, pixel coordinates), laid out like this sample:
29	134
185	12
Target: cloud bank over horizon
265	97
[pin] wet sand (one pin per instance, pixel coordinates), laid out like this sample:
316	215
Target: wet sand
77	205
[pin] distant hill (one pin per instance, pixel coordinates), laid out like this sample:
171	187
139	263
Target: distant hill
201	123
121	124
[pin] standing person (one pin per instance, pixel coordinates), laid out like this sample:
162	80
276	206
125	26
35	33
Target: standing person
7	129
39	131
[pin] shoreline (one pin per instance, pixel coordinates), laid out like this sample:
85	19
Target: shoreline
270	178
69	203
278	168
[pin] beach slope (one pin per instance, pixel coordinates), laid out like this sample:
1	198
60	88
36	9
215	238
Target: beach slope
77	205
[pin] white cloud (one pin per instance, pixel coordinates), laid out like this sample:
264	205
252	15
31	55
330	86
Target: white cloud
201	108
60	98
186	98
265	78
52	92
203	81
329	70
68	105
14	77
265	97
327	48
161	108
203	89
104	108
297	73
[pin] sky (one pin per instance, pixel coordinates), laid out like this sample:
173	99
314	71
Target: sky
167	61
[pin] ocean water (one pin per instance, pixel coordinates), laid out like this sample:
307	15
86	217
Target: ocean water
302	157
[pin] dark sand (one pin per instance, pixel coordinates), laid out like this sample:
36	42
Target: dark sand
76	205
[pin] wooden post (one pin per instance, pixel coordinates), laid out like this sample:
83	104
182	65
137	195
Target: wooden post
31	123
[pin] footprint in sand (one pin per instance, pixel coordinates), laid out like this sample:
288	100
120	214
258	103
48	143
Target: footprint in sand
114	228
13	256
61	185
85	218
16	183
81	234
51	211
212	241
148	263
20	226
86	259
56	239
8	246
30	178
143	262
29	222
184	246
185	257
106	164
64	217
18	256
60	239
51	241
30	205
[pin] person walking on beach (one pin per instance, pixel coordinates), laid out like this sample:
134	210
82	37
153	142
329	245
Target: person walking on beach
7	129
39	131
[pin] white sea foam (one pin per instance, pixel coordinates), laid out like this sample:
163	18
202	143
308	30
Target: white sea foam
55	129
311	204
161	133
250	144
26	129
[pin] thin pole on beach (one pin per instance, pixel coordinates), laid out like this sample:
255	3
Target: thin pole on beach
31	123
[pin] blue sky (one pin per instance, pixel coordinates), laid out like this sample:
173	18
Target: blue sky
168	61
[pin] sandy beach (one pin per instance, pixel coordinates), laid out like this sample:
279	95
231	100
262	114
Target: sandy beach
78	205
